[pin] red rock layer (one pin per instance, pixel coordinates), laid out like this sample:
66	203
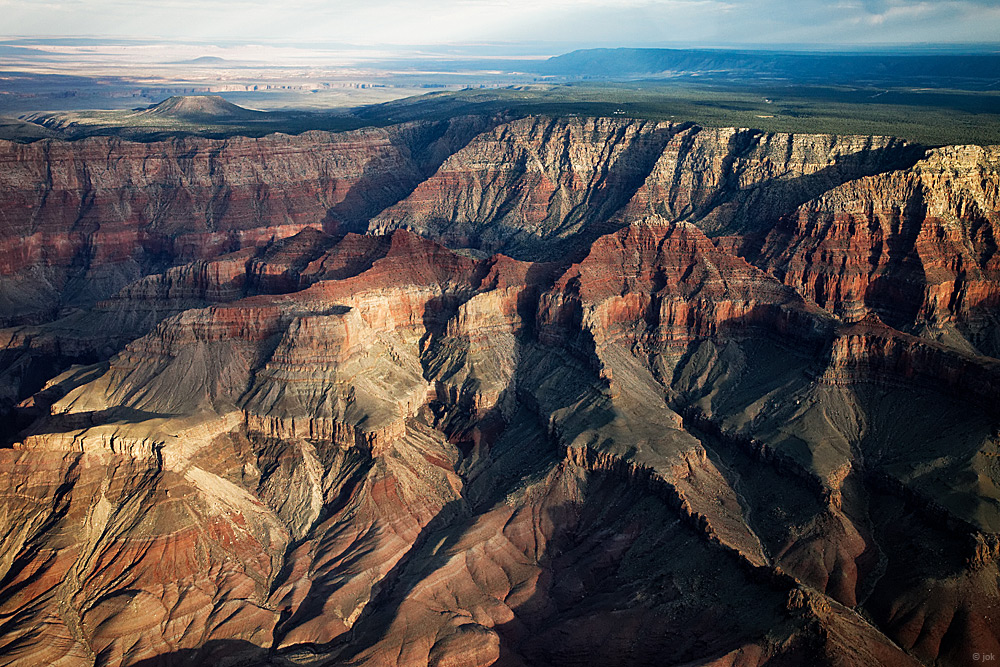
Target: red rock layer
99	201
671	279
916	248
737	179
531	183
379	420
380	451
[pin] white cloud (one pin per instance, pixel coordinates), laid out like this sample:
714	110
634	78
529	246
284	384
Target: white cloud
441	21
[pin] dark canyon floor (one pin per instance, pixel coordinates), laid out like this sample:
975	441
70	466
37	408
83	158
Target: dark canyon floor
474	391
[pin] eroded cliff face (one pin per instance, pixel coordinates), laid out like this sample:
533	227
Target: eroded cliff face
533	185
731	401
917	248
81	219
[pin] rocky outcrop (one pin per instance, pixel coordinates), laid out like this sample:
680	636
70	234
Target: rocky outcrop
737	180
916	248
101	206
711	426
531	184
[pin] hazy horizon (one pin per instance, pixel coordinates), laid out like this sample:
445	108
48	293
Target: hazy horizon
800	24
500	48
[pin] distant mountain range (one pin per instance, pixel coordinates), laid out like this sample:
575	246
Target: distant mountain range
827	67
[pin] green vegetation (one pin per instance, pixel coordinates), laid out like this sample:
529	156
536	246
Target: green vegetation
150	127
931	117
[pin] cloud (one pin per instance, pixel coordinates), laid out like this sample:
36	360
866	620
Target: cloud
442	21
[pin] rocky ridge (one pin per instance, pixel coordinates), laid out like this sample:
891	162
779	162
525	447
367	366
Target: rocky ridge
725	398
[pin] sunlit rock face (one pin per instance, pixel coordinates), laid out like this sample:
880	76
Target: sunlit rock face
587	391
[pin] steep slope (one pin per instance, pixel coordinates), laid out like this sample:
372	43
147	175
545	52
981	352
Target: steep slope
916	248
525	446
845	220
82	219
534	186
710	424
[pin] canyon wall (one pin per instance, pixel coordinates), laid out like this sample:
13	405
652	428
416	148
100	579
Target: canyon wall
672	395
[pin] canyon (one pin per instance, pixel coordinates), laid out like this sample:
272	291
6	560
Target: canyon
500	391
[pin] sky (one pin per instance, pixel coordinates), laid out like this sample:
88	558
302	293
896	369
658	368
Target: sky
600	22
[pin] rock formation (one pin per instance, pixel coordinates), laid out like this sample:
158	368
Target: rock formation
200	108
82	219
672	395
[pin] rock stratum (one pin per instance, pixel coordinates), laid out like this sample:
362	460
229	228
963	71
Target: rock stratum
500	392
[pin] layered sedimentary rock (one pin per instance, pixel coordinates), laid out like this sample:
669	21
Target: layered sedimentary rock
695	418
529	186
860	225
917	248
83	218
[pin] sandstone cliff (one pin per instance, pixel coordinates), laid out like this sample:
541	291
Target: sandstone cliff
732	401
81	219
